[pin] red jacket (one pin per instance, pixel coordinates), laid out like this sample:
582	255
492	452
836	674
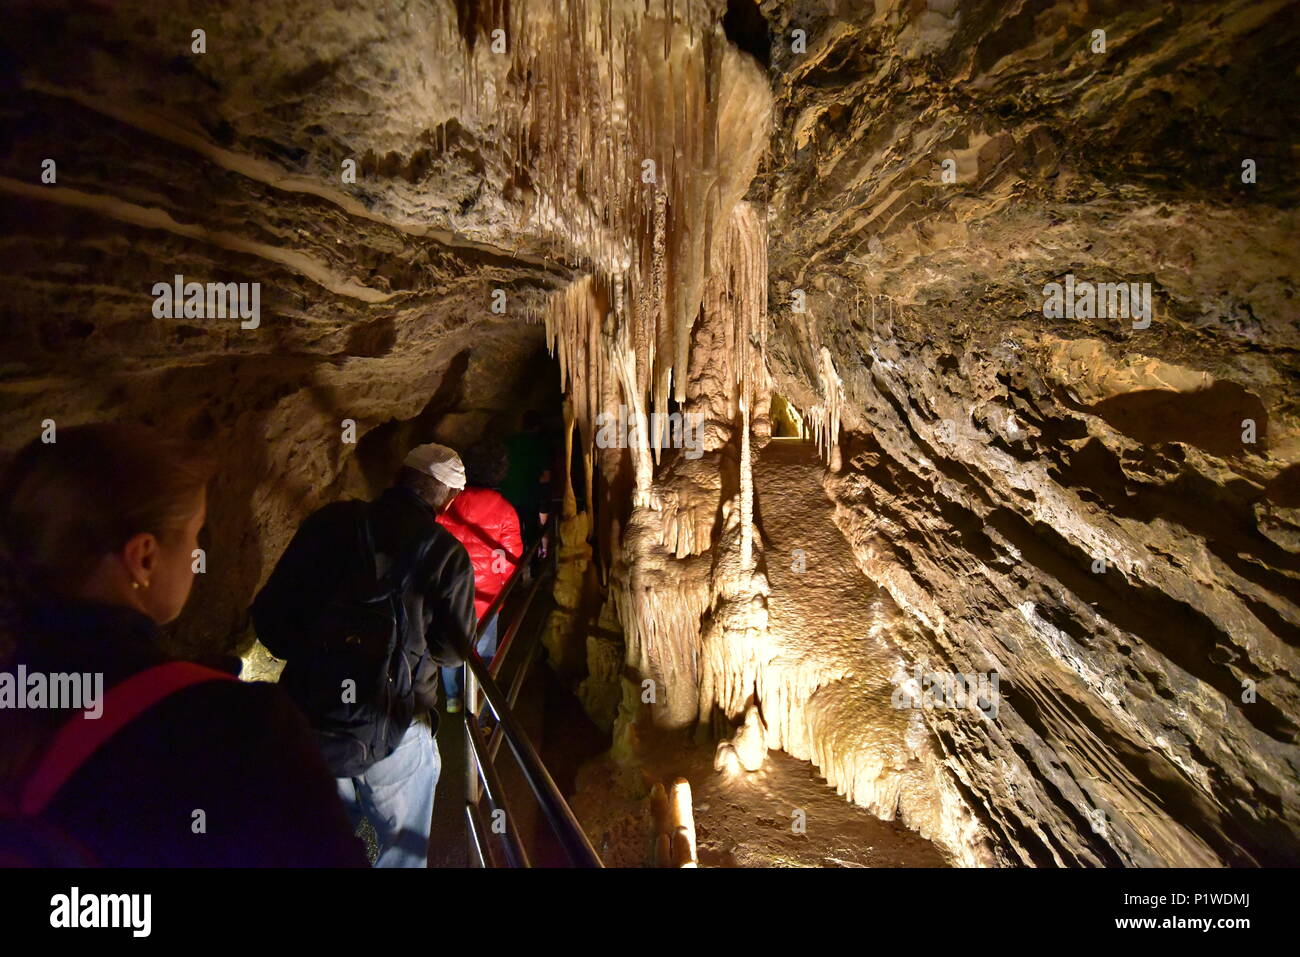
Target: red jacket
488	526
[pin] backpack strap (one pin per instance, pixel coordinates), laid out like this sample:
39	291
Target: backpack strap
81	736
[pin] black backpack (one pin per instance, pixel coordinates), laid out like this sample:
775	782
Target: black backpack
355	681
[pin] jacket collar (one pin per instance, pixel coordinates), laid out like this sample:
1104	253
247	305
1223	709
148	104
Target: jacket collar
400	494
89	636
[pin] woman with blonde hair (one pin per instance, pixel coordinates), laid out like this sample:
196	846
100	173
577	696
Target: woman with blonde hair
160	762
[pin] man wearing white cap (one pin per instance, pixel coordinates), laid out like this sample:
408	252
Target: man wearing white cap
365	605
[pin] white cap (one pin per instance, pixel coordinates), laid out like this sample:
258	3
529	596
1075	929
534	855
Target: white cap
440	462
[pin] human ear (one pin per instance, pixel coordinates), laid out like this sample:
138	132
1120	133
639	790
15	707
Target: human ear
140	556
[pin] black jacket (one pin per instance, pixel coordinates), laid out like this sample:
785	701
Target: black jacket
239	752
324	551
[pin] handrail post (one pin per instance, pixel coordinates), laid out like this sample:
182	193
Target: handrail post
472	791
514	846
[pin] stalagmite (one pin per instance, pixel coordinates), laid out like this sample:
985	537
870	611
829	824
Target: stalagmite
683	847
746	491
573	557
750	741
725	759
681	818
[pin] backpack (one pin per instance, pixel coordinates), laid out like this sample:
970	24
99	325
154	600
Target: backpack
26	839
355	682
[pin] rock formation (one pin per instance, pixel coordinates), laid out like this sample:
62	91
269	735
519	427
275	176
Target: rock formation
1021	275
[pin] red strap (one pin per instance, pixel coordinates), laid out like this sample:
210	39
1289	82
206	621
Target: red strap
81	736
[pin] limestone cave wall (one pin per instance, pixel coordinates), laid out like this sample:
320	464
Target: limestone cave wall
855	211
1105	515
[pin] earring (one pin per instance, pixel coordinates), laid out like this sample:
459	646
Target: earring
135	585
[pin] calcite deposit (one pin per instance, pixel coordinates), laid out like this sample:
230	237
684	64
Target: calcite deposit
874	252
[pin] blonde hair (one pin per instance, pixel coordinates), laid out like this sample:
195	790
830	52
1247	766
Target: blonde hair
66	504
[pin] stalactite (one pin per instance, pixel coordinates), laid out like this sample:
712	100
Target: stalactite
646	87
825	415
671	265
622	359
569	507
661	254
746	491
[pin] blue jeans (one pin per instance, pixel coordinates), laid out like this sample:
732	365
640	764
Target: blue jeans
396	796
486	646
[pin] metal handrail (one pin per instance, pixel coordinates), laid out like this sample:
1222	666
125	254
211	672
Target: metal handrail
481	754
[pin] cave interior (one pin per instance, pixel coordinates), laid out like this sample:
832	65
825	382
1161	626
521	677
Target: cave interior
924	376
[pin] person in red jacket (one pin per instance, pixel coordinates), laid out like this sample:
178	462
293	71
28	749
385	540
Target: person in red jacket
488	526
